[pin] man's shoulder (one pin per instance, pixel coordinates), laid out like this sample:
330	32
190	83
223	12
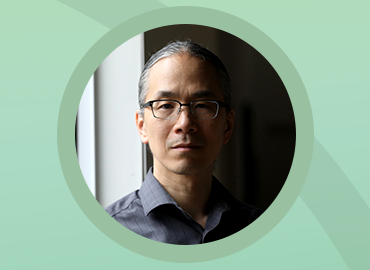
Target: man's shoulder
124	203
247	210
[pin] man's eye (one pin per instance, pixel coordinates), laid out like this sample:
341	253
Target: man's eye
166	106
201	106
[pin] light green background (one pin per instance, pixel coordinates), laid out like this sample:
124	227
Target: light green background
42	42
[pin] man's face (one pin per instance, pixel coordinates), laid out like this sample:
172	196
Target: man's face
184	145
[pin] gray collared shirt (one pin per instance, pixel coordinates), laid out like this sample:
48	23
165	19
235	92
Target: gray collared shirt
152	213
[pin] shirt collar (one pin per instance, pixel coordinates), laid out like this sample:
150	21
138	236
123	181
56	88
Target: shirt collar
220	197
153	195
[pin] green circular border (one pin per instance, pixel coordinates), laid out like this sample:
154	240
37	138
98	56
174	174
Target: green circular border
227	23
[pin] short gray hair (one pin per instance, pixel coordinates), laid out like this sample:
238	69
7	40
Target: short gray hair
190	48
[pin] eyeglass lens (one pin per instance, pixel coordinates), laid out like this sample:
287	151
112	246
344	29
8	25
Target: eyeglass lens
200	109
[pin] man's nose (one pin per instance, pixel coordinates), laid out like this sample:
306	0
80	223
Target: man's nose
185	121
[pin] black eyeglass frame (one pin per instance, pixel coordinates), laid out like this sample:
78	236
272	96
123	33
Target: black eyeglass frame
219	104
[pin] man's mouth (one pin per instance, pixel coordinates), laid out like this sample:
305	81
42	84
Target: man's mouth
186	147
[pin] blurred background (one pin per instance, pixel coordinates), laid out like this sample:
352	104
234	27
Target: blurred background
255	163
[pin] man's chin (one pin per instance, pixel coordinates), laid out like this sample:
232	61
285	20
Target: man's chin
188	169
183	165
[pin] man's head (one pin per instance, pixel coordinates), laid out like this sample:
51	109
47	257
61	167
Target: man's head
189	48
191	136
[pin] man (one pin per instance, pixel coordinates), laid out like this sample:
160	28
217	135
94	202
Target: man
185	117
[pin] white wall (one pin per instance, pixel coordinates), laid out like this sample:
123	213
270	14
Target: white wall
86	135
118	147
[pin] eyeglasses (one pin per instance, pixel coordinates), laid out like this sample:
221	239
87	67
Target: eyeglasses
170	109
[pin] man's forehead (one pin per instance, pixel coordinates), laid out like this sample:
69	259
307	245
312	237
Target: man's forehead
182	62
183	77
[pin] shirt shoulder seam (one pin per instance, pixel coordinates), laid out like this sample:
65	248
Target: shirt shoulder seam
123	209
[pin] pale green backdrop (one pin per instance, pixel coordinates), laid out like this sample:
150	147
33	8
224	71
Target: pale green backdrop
43	226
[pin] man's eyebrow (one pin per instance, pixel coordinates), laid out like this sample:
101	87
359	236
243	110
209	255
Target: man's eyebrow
204	94
170	94
164	94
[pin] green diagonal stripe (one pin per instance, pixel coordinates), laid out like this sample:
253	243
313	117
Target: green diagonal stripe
110	13
339	208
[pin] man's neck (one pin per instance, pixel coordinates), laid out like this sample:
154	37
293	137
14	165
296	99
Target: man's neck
191	192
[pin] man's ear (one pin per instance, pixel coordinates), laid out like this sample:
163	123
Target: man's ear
139	118
229	125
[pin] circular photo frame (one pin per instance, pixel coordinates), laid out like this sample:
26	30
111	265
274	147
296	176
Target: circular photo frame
303	126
